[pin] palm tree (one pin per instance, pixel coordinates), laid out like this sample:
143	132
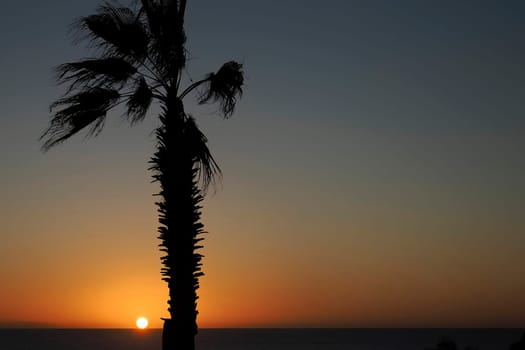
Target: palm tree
139	57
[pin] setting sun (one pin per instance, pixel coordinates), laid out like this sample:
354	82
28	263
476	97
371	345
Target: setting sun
142	322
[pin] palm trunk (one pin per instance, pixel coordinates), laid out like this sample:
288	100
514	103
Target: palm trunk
179	219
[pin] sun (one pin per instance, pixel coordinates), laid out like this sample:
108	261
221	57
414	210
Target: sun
142	322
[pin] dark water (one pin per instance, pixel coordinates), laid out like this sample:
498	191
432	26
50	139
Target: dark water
258	339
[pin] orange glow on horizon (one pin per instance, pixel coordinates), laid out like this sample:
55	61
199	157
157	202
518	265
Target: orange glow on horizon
372	276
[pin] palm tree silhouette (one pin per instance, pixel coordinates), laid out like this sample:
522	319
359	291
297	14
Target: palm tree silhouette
139	58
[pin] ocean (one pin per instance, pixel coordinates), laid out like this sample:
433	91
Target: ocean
259	339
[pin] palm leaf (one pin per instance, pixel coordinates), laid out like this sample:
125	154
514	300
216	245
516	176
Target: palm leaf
165	20
205	165
224	87
87	108
164	17
95	72
116	30
153	14
139	102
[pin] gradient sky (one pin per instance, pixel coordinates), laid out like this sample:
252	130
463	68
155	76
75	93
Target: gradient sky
374	171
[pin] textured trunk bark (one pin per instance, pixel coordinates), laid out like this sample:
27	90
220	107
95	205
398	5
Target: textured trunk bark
179	218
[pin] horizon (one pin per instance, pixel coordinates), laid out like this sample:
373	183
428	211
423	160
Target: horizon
135	329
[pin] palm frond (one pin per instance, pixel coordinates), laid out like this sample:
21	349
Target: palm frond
224	87
86	108
95	72
153	14
165	20
116	30
139	102
207	169
164	15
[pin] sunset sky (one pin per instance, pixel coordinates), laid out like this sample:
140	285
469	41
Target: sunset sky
374	171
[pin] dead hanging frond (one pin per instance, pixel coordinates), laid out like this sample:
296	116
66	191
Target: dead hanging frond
194	139
95	72
139	102
188	139
224	86
84	109
116	31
